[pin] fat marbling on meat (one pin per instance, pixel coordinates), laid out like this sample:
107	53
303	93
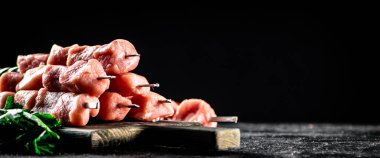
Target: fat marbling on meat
50	78
82	77
58	55
26	62
68	107
117	57
77	53
26	98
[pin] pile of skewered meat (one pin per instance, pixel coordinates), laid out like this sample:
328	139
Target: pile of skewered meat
77	82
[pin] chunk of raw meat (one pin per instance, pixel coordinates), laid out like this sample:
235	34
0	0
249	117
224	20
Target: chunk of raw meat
9	80
32	79
117	57
50	78
77	53
26	98
113	106
26	62
82	77
129	85
58	55
70	108
195	110
152	108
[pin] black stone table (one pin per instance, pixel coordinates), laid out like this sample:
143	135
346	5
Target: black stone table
270	140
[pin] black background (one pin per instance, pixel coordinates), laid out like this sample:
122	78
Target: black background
264	64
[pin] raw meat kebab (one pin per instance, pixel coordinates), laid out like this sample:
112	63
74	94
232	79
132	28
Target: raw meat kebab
78	82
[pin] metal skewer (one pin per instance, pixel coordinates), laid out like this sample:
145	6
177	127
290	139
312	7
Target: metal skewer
233	119
106	77
91	105
166	100
133	55
150	85
128	106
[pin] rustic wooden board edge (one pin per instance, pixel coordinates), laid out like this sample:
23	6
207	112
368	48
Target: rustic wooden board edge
101	136
114	137
229	138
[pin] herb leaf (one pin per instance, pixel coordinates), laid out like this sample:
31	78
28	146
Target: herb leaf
31	131
8	69
10	104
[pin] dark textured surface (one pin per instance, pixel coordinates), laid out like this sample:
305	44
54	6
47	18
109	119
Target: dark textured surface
272	140
310	140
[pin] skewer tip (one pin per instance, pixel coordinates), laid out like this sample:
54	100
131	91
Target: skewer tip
165	100
106	77
128	106
154	85
91	105
232	119
133	55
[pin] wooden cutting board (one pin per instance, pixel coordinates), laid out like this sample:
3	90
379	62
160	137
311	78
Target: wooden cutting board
169	134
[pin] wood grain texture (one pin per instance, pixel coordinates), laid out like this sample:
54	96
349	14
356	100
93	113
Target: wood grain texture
169	134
